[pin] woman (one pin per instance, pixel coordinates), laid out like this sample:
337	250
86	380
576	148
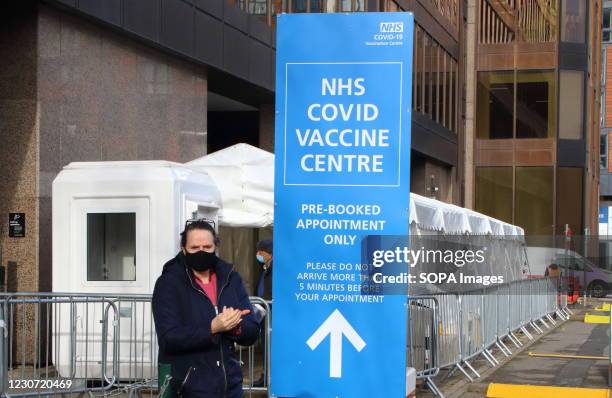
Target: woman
201	309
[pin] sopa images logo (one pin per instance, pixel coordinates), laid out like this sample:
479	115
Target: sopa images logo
391	27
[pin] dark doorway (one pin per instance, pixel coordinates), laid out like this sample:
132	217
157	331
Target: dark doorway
230	122
229	128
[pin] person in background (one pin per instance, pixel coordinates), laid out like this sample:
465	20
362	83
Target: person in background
553	271
201	309
264	257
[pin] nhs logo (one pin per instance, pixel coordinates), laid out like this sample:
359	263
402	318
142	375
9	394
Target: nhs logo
391	27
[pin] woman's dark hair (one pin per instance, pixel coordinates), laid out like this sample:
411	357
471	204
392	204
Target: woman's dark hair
191	225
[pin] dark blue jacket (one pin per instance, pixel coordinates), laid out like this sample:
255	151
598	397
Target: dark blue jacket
183	314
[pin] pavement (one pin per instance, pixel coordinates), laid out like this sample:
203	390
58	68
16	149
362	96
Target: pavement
572	338
568	339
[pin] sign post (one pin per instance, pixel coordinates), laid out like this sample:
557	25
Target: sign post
342	173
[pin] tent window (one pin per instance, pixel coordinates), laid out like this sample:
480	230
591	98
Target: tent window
111	246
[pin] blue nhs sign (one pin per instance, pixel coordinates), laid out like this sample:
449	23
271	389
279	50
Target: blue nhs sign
342	173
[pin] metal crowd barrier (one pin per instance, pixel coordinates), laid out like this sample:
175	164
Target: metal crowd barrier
106	344
100	344
423	334
473	324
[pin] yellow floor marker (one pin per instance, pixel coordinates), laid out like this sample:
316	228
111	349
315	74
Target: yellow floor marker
565	356
588	318
523	391
604	307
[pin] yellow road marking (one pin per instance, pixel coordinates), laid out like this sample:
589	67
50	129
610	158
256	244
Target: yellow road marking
517	391
534	354
588	318
604	307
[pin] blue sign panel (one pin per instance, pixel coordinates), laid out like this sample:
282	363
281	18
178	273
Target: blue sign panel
342	173
603	214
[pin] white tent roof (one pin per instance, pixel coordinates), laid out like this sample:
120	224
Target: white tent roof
431	214
244	175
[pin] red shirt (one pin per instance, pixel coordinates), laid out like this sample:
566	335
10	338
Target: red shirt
209	288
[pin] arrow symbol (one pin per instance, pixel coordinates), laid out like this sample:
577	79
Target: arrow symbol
335	326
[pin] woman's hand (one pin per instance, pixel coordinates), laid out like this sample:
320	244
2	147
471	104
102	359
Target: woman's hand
227	320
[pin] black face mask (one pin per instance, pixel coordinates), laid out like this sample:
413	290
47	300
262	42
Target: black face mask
200	260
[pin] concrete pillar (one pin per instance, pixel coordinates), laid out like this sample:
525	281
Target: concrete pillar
470	104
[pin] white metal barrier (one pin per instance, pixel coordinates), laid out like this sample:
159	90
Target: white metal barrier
473	324
105	343
54	344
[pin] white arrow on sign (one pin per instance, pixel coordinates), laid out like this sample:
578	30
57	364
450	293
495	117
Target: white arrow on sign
335	325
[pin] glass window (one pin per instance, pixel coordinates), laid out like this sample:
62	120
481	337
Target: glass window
603	151
434	80
495	105
455	96
435	83
299	6
535	104
573	21
111	246
330	5
448	87
316	5
258	7
534	200
606	18
569	199
444	65
439	85
346	5
427	68
606	36
420	43
570	262
571	98
494	192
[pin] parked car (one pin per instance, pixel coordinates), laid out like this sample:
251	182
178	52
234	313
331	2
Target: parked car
595	279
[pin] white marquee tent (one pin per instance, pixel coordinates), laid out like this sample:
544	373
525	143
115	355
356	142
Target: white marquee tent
244	175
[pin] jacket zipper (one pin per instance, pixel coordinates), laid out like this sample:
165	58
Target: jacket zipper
216	307
221	337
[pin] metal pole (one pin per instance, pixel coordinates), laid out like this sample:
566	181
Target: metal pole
3	351
584	275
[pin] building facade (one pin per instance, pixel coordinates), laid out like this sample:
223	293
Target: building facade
118	80
533	102
505	101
